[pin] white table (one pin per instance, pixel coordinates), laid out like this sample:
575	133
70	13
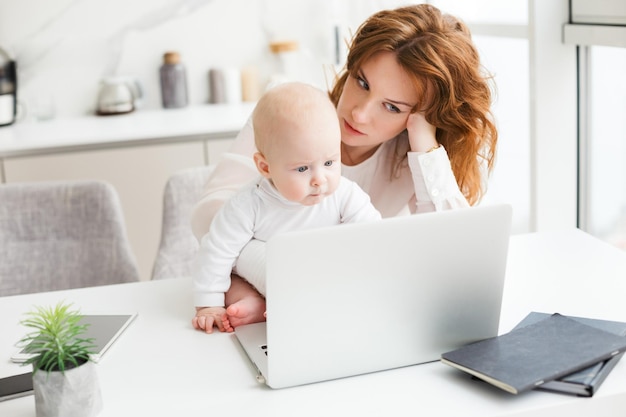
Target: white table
162	367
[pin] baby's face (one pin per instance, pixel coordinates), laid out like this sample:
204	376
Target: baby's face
306	167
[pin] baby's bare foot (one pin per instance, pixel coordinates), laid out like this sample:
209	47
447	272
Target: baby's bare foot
245	311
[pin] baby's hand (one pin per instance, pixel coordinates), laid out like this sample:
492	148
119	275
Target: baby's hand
207	317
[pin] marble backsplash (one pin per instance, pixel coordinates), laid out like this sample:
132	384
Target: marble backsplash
64	48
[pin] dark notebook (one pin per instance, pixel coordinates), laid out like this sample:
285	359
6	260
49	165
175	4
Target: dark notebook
585	382
532	355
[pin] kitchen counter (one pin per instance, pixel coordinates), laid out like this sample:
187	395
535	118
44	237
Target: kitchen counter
140	127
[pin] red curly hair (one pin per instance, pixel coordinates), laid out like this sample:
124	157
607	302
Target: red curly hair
437	52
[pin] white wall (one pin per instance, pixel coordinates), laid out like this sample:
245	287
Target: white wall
553	118
64	48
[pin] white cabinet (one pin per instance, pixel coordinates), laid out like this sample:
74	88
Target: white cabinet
139	174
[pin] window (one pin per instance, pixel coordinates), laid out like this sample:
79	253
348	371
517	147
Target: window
603	143
499	30
507	59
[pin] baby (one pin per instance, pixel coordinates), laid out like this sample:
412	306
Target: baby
298	139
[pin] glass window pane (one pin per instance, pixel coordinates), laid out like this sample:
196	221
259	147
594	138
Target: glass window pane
507	60
606	179
487	11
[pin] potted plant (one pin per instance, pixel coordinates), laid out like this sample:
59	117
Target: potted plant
65	382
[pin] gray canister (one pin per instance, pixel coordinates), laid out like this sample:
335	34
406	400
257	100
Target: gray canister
173	81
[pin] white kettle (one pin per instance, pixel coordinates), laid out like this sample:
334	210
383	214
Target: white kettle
119	95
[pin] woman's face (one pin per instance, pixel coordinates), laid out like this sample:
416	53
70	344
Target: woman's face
374	106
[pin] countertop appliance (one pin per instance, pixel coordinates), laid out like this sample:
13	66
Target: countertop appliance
8	89
118	95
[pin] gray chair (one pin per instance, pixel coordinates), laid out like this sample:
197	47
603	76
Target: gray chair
178	245
60	235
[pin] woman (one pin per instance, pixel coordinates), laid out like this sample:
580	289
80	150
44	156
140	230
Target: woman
417	134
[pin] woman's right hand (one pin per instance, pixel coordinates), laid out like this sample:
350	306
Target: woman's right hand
421	133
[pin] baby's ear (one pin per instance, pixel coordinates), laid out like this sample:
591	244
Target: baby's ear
261	164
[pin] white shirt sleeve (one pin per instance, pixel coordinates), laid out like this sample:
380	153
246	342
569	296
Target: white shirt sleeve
435	185
231	230
355	203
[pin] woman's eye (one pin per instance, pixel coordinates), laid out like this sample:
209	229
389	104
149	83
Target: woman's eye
392	108
301	169
328	163
363	83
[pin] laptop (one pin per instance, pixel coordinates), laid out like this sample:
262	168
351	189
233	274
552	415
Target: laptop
366	297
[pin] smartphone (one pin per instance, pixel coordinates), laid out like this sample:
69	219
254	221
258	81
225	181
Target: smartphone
16	386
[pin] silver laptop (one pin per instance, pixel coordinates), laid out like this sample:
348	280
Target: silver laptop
360	298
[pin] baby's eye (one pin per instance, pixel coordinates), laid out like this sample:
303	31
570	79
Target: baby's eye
329	163
392	108
302	169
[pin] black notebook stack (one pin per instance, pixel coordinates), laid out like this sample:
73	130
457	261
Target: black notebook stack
549	352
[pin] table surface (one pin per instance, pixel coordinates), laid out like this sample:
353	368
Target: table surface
162	367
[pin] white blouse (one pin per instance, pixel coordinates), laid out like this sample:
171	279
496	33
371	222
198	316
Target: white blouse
425	184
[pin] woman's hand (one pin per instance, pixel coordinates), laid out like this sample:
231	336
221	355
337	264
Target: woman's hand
421	133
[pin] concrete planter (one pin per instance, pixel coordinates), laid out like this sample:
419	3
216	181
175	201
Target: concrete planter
75	393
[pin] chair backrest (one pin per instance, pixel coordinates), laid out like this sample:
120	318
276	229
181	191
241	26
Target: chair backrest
178	244
60	235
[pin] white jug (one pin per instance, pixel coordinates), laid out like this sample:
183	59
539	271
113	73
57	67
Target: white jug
119	95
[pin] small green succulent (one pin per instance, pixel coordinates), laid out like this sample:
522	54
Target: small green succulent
55	343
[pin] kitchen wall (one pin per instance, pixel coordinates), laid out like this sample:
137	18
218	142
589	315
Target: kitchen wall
64	48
